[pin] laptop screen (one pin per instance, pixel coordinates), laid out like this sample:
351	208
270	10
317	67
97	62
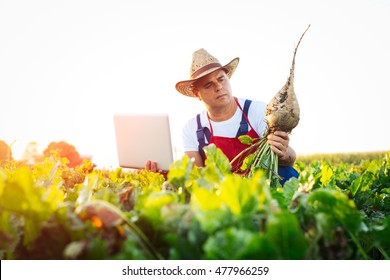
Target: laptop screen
142	137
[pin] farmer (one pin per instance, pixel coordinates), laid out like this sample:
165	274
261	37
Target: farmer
226	117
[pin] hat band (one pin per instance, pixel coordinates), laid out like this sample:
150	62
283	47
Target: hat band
204	69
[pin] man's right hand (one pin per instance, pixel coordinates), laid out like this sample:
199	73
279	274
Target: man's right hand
153	167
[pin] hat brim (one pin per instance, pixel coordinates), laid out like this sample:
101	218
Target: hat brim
185	87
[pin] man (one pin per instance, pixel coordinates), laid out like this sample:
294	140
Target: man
226	117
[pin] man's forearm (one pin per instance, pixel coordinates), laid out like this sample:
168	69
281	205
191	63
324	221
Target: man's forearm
289	159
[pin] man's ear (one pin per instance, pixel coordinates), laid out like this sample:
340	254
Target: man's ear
196	93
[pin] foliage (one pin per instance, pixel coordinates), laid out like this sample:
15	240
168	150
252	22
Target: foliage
5	152
53	211
338	158
64	150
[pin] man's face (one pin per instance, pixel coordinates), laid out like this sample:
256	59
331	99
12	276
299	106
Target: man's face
214	89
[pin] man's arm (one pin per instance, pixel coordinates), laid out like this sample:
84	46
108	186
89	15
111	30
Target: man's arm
288	159
198	161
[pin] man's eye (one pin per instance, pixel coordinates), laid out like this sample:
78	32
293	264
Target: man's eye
207	86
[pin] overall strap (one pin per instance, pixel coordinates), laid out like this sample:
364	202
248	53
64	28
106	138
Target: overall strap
244	121
202	133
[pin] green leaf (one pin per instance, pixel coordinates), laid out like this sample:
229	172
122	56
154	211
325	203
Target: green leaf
289	189
356	185
239	195
284	233
209	210
248	161
216	159
327	174
336	205
206	199
20	195
245	139
108	195
180	171
150	205
382	232
237	244
373	167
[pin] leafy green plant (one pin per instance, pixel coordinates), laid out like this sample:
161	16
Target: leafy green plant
333	211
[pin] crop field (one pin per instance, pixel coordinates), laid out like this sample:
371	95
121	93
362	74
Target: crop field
49	210
336	158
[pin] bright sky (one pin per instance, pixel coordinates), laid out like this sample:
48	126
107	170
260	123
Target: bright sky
67	66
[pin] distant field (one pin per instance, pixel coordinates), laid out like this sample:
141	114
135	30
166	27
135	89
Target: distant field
354	158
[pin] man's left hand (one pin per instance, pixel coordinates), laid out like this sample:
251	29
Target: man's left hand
279	143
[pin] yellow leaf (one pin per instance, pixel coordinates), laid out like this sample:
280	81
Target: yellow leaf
327	174
206	199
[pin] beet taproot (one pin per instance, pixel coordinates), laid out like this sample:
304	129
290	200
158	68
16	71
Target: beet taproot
282	114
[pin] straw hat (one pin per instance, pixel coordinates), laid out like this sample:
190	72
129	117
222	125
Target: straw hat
202	64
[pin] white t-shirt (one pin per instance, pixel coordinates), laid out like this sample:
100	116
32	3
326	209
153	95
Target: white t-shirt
228	128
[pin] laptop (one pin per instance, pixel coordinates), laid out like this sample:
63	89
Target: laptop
142	137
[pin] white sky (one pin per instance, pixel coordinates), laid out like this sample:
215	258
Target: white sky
67	66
